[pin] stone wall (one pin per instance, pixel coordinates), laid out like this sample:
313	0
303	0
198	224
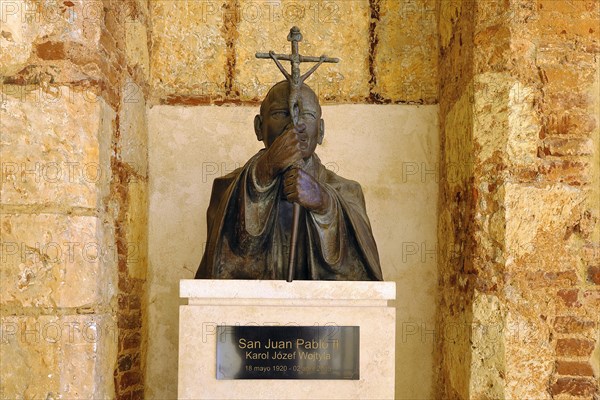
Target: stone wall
203	51
519	200
519	179
73	198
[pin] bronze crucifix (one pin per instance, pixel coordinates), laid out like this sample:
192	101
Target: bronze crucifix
295	108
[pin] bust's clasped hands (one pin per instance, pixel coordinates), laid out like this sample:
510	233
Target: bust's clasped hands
300	187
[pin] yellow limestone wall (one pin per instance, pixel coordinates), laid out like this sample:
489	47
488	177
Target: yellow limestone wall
203	51
519	172
73	198
519	233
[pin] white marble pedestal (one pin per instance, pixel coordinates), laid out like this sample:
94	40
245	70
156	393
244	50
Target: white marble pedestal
305	303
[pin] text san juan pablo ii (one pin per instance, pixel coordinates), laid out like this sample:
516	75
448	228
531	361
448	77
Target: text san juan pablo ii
288	349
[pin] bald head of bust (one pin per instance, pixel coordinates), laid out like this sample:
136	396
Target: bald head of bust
274	118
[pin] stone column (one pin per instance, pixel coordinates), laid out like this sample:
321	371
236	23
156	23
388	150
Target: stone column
71	211
519	204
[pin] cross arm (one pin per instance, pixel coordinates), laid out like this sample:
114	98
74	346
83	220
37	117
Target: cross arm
287	57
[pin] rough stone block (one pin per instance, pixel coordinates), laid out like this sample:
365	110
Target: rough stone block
133	142
188	56
136	46
57	357
570	297
591	298
527	331
30	364
56	147
24	22
568	27
487	339
593	275
570	172
561	100
111	47
576	122
492	51
137	232
448	17
591	254
568	147
561	76
336	29
406	52
574	368
538	217
574	387
491	116
574	347
50	50
567	7
524	125
570	324
458	128
55	260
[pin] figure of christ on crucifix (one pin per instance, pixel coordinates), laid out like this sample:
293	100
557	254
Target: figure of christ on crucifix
283	215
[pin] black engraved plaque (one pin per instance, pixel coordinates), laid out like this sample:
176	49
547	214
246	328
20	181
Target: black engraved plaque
288	352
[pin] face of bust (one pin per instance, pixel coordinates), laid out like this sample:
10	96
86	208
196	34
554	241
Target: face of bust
276	118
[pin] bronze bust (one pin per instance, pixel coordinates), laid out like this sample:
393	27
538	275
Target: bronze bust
283	213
